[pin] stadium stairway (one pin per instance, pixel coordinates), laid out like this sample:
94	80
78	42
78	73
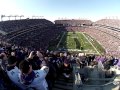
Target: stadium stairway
62	84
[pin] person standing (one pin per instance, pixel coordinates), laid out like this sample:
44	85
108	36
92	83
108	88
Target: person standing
13	72
33	78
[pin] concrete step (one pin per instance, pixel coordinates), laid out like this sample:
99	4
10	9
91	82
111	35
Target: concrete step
63	80
62	84
56	89
63	87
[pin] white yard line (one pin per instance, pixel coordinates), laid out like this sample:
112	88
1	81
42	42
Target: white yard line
60	40
99	43
91	44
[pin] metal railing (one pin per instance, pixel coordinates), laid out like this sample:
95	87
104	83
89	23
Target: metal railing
79	85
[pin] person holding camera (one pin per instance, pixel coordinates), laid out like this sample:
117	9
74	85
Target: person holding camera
13	71
31	78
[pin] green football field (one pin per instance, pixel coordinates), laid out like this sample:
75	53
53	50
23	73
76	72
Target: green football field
80	42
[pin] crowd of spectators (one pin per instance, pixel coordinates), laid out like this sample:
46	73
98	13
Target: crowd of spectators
109	22
22	68
105	31
76	28
37	37
108	41
24	64
73	22
15	25
30	32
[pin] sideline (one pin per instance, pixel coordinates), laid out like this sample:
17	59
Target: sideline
98	42
92	44
60	40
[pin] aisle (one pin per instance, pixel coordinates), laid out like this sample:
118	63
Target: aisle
62	84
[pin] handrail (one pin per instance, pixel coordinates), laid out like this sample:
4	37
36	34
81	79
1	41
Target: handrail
78	85
77	79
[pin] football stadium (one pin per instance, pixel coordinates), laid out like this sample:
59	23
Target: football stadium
65	54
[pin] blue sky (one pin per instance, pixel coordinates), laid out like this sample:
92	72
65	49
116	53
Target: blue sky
62	9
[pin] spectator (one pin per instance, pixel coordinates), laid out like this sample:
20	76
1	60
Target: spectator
35	61
51	76
67	69
33	78
13	71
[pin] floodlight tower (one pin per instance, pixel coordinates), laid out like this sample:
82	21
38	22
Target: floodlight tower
37	17
21	16
8	17
33	17
16	16
42	17
2	17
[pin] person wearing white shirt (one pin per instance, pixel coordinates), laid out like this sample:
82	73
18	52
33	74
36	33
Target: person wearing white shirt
33	78
13	72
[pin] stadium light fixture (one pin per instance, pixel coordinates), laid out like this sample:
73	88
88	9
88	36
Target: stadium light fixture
16	16
33	17
2	17
21	16
9	17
